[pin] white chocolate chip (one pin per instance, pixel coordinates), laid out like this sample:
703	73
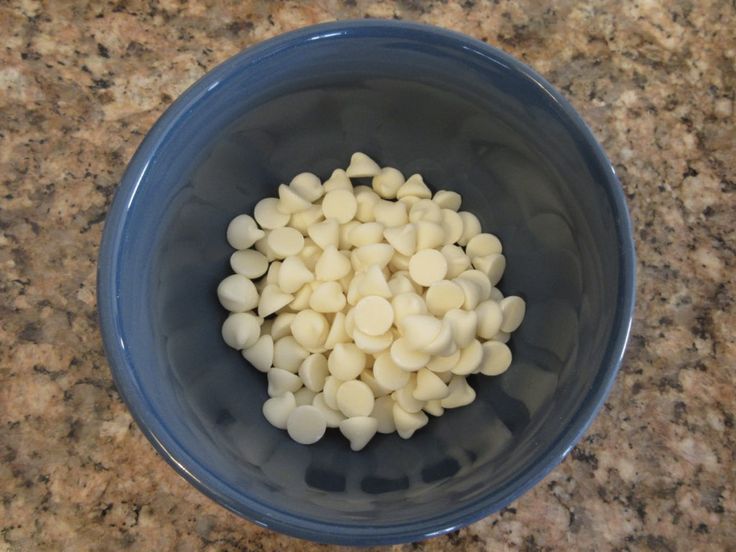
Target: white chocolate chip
340	205
276	410
387	182
383	413
243	232
288	354
355	398
308	186
366	199
443	296
285	242
471	227
374	315
388	374
482	245
430	235
291	202
282	381
302	220
461	394
441	364
407	423
429	386
496	358
337	333
346	362
325	233
404	397
442	344
332	265
366	234
406	357
281	326
272	300
250	263
362	166
406	304
344	239
260	354
237	293
359	430
414	186
293	274
400	283
447	199
313	372
492	266
268	215
390	213
481	280
327	297
457	261
304	396
373	282
420	330
426	210
402	238
372	344
310	329
452	224
464	326
514	309
427	267
490	318
434	407
241	330
470	359
339	180
329	391
306	424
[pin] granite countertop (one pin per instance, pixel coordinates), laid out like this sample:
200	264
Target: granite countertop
81	84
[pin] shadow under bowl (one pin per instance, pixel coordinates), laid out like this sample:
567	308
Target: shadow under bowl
470	119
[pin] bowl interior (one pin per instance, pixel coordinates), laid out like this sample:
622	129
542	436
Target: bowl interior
469	121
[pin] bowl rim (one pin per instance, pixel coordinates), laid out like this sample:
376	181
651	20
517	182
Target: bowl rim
263	514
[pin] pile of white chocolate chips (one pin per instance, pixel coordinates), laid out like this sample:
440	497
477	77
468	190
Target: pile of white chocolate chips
367	307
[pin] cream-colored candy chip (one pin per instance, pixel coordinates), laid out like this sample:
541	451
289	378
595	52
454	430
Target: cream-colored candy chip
387	182
276	410
260	354
361	166
427	267
407	423
374	315
308	186
306	424
249	263
237	293
267	214
346	361
241	330
313	372
243	232
355	398
514	309
340	205
359	430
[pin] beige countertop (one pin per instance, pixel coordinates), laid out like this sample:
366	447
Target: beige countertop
81	84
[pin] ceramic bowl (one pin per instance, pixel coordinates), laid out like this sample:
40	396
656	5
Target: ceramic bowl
469	118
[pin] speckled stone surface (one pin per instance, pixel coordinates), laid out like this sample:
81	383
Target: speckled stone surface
80	84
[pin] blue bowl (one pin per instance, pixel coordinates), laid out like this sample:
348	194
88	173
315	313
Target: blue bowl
469	118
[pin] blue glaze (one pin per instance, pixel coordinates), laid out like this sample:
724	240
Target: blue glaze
471	119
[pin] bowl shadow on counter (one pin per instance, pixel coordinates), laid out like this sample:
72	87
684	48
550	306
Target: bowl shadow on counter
507	179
